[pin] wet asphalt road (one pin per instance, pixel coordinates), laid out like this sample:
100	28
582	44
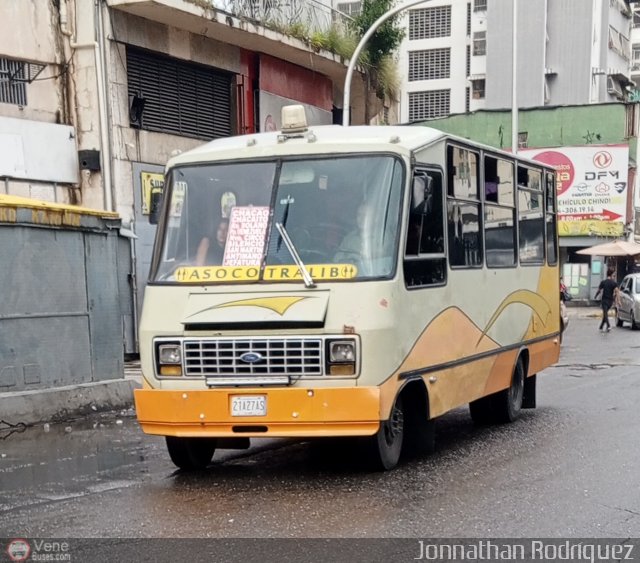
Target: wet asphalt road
568	468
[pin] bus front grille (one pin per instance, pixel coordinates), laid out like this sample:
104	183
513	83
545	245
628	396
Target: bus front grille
253	357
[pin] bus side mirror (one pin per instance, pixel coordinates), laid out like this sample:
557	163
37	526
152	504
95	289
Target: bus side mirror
155	206
422	194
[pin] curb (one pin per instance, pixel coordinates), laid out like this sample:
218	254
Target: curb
62	403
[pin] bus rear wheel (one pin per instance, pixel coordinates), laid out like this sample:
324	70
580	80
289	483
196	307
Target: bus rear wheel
504	406
385	446
191	453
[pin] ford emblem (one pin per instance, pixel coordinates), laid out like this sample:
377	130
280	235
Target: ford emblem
251	357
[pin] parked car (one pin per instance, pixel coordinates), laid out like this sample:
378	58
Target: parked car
629	301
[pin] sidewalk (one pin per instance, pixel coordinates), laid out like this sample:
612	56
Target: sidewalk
583	311
20	408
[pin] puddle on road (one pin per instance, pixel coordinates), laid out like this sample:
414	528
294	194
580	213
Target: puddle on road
54	461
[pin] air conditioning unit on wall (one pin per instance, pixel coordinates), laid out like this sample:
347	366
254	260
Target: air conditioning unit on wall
614	88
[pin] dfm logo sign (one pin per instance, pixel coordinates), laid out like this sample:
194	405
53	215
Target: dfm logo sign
602	159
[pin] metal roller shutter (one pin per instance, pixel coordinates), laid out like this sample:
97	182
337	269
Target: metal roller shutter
184	98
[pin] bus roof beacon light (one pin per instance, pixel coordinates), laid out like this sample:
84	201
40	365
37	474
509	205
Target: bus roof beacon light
294	119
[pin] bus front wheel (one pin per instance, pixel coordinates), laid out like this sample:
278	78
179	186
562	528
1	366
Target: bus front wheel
191	453
385	446
504	406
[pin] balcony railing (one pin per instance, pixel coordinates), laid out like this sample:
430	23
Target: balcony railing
302	16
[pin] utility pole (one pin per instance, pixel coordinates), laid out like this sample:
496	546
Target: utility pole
514	81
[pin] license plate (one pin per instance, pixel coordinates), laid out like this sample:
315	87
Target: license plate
249	405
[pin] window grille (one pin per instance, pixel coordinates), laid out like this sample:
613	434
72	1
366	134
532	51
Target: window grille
480	5
480	43
619	43
178	97
469	20
431	64
523	140
427	23
13	85
478	89
468	61
428	104
635	57
350	8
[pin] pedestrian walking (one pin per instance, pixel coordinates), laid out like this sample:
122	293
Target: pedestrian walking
609	290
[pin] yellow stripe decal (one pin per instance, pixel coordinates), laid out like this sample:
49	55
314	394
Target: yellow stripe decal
277	304
534	301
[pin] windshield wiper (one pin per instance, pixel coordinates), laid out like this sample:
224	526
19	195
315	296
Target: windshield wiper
306	276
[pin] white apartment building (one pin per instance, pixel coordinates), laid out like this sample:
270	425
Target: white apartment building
457	55
635	52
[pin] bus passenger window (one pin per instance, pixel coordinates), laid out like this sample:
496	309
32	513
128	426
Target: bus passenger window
552	251
425	262
499	213
465	241
463	208
531	223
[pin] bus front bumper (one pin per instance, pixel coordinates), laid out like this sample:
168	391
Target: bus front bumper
290	412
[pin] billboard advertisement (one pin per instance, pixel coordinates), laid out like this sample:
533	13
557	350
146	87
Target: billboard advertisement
592	187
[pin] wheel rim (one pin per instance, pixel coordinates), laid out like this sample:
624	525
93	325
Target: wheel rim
394	426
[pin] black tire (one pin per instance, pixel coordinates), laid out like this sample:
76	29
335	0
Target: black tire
634	324
419	434
504	406
191	453
383	449
509	402
619	321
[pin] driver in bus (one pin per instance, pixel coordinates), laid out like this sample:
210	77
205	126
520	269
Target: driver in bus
211	252
359	248
350	249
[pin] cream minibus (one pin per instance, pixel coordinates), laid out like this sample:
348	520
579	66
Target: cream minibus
334	281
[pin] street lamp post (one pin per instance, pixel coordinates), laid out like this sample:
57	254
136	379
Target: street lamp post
514	81
354	59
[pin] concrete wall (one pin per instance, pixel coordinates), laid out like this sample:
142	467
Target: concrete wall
531	53
130	145
546	127
570	51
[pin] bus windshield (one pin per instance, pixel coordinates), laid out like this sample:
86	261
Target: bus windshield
224	222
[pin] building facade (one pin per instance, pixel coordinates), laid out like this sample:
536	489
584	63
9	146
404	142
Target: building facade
457	55
96	96
594	149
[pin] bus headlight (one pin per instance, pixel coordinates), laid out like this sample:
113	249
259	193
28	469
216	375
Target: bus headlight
342	351
170	359
342	357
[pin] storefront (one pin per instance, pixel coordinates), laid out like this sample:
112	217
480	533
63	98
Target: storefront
593	207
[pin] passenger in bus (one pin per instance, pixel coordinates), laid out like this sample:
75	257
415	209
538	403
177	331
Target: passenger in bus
210	250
